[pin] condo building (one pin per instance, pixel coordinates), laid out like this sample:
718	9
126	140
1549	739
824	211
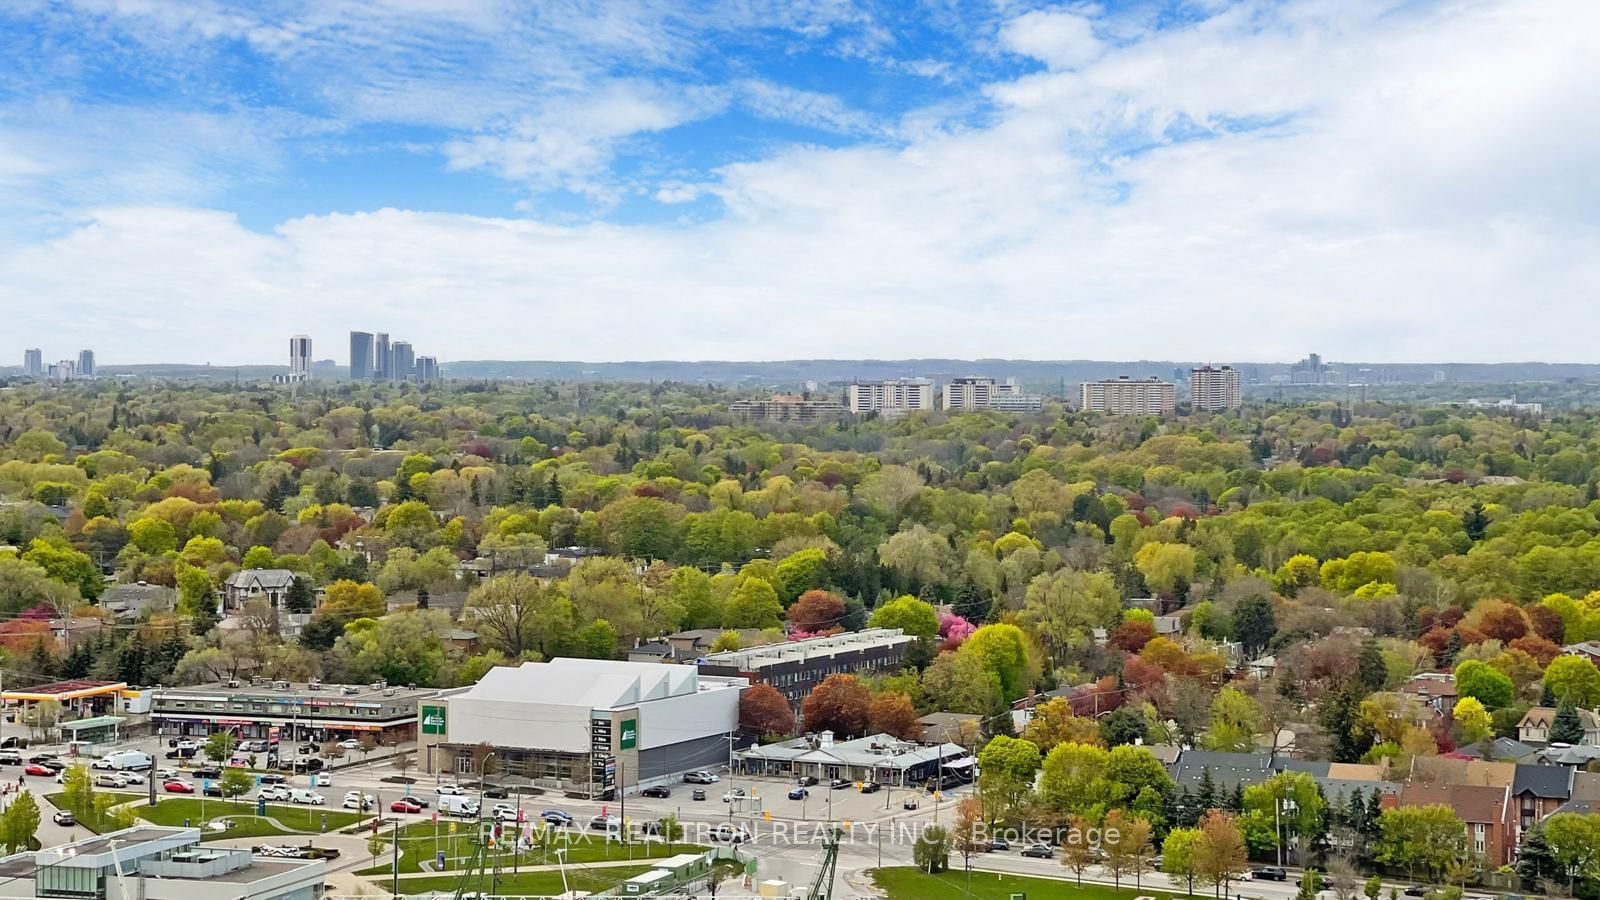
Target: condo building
1125	396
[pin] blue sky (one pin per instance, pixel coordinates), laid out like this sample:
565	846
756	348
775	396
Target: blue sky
1376	179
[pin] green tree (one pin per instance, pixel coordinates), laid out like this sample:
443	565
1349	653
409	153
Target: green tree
1236	719
1065	606
1484	682
1254	624
1566	728
801	571
753	604
1165	565
1426	838
1178	855
1474	723
236	781
1007	767
1574	841
1003	650
301	597
153	536
347	600
908	614
1573	678
77	791
1372	672
66	565
219	746
931	852
1288	802
19	823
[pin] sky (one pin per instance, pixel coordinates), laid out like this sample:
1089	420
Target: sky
1233	180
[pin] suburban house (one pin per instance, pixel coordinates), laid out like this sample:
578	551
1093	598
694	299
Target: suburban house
1435	690
130	601
1589	650
1535	726
249	584
1536	793
1485	810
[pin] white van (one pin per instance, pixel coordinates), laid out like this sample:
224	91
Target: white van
310	798
125	759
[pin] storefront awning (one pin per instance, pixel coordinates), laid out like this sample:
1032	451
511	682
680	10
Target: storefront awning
965	762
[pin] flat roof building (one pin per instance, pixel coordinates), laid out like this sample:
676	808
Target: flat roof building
299	711
787	408
589	725
891	397
149	862
795	667
979	392
360	355
1214	390
882	758
1125	396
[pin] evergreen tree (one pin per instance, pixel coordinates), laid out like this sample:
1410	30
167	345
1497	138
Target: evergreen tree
1451	650
1338	717
1475	522
1547	696
205	619
1536	864
300	597
553	494
1371	672
274	497
1206	798
422	597
42	662
1236	798
1254	624
1567	727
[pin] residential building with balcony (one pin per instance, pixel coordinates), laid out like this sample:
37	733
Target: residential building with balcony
891	397
1215	390
1126	396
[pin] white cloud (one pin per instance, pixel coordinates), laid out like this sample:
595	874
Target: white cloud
1058	38
1424	187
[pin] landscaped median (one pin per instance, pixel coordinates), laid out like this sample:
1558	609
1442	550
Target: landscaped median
543	883
422	842
281	820
908	883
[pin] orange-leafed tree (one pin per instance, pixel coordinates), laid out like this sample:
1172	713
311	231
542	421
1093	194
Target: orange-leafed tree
841	704
764	711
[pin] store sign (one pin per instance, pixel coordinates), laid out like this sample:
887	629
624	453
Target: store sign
433	720
630	734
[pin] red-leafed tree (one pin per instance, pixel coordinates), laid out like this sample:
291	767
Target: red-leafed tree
764	711
1131	636
840	704
1547	623
815	611
1537	647
891	712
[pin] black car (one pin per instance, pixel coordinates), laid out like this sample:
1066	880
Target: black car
417	800
42	758
1269	873
10	759
1039	851
806	780
54	765
495	792
1417	890
658	790
14	743
870	787
1322	877
211	772
185	753
839	784
212	789
274	779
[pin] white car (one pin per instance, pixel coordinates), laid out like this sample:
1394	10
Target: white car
186	744
166	774
700	777
276	793
322	779
309	798
110	780
350	744
358	800
451	790
505	815
132	778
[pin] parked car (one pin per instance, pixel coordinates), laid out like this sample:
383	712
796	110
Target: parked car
1418	890
322	779
184	744
10	759
735	794
605	823
1039	851
65	817
357	800
404	806
165	773
999	845
453	790
806	781
37	769
180	754
909	803
275	793
212	789
14	743
656	790
839	784
505	815
557	817
306	798
1269	873
207	772
132	778
110	780
349	744
797	793
178	787
496	792
733	834
697	794
870	787
700	777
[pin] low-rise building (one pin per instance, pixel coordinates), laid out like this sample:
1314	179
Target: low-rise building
1589	650
149	862
1435	690
1536	793
130	601
795	667
1126	396
298	711
787	408
878	758
1484	809
587	725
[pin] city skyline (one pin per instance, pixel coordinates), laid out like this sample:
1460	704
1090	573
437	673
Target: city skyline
647	181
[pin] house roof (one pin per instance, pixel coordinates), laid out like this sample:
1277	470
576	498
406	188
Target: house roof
1478	772
1550	782
655	648
877	751
1227	769
1585	648
266	578
133	597
1545	716
1472	803
1500	750
1431	686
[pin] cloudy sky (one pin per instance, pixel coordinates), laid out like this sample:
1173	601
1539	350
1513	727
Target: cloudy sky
1379	180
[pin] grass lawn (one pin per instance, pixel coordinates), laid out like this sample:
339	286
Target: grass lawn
534	884
301	819
89	821
907	883
418	845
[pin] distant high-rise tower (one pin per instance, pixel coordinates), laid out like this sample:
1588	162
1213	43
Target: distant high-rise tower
360	355
383	361
86	363
33	362
1214	390
300	358
403	361
427	368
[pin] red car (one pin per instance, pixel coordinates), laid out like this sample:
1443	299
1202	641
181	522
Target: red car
405	806
36	769
178	787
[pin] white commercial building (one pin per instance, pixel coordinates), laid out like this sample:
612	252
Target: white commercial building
1214	390
1124	396
976	392
149	862
299	358
891	396
584	724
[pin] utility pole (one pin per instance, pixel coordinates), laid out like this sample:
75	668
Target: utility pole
395	865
